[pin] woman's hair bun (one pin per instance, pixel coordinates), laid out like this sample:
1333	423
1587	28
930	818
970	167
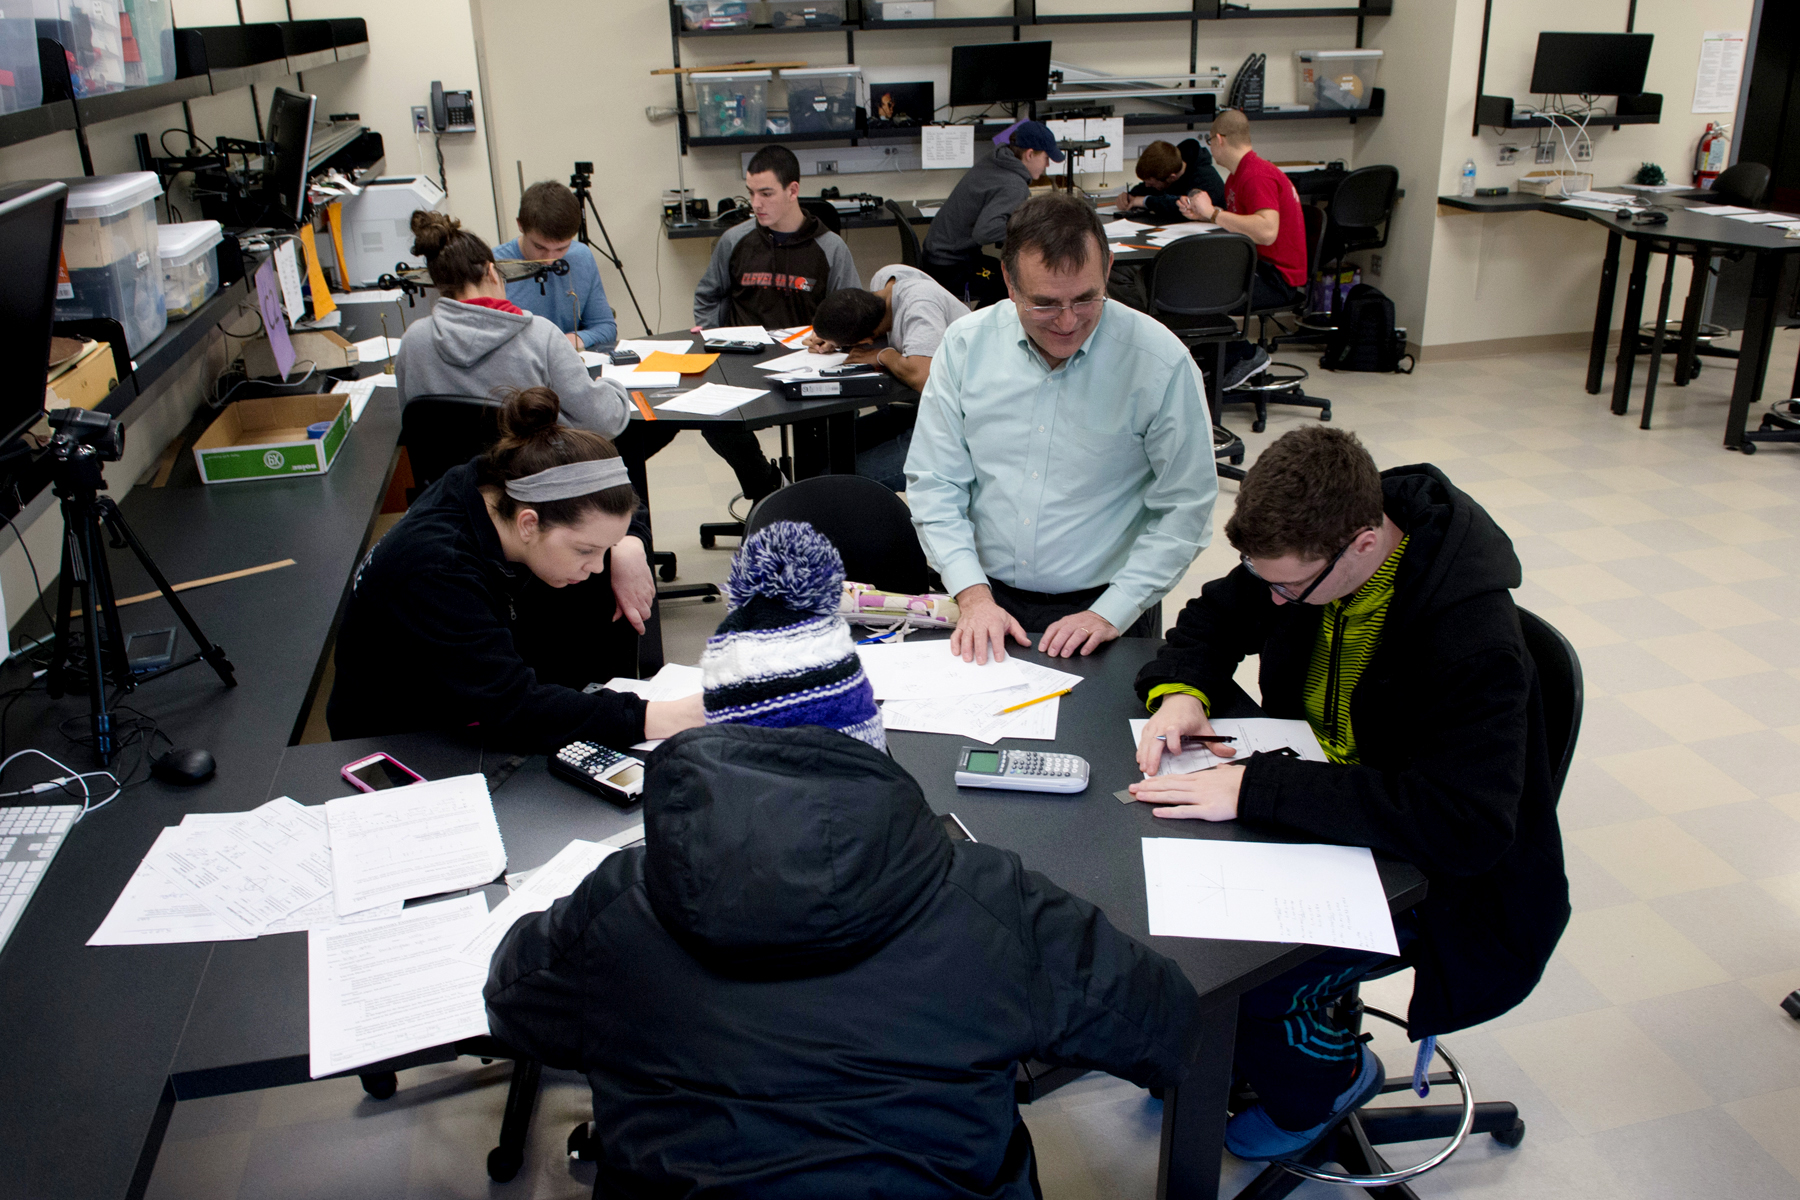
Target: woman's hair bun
432	231
528	412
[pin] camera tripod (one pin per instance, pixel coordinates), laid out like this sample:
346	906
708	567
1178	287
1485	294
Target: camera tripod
582	184
77	482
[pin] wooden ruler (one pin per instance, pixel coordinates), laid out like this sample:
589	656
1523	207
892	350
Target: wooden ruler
196	583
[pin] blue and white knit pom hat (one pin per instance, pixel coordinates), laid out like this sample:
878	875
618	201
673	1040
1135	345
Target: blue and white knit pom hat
784	656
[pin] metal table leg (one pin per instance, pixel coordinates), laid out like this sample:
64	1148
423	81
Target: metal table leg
1753	358
1690	315
1603	306
1656	343
1628	334
1193	1126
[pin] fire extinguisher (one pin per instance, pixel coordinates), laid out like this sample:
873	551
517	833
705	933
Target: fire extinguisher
1709	156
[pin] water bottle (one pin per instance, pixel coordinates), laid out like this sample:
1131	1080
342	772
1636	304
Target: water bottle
1468	178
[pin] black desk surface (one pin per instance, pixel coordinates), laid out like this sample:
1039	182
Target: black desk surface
1684	225
880	218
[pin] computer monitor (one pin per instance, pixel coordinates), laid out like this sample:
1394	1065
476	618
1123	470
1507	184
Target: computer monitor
1001	73
290	132
31	230
1591	64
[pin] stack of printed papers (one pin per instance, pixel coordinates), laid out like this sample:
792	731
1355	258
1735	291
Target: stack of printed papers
979	716
1164	234
711	399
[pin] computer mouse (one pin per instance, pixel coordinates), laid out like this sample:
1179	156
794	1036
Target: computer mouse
184	766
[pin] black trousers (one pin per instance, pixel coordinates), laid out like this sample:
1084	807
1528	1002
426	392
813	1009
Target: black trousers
731	441
1268	289
1037	611
975	280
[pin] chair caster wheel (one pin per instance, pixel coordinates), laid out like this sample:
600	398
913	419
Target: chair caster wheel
1258	426
707	541
581	1143
1748	447
1236	460
666	573
503	1164
709	599
381	1084
1510	1137
1324	414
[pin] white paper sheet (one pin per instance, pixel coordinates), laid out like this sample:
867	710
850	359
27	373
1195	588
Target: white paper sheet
376	296
1119	227
1616	206
1720	71
632	378
1164	234
929	211
1762	218
738	333
675	681
255	870
801	360
978	716
152	910
287	273
1720	210
592	358
1267	892
408	842
946	147
1253	734
711	399
545	886
928	671
361	390
377	349
386	988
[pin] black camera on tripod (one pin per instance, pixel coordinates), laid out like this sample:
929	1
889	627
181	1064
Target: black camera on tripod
583	178
81	430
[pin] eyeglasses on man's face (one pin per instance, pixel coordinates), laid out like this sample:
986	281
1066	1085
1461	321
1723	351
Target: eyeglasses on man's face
1046	313
1286	590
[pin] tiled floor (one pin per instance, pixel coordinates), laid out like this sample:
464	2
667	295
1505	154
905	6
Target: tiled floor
1651	1062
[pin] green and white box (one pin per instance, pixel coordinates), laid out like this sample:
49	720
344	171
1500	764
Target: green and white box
266	438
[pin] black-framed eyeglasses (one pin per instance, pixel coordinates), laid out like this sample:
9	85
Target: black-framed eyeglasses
1285	590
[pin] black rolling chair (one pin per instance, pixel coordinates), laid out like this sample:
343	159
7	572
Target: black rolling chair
910	250
1285	383
870	526
826	212
1197	286
440	432
1352	1144
1357	217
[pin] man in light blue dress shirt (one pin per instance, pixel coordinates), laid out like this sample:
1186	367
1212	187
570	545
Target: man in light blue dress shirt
549	219
1061	472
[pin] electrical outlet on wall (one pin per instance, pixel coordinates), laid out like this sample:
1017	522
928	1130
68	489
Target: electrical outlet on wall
421	122
827	167
1584	150
1506	156
1546	152
1375	264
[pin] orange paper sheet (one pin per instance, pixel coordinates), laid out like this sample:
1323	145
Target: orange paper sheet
322	303
687	364
334	214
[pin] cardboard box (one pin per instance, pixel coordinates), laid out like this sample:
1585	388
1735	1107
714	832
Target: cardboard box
1555	183
85	380
323	348
266	438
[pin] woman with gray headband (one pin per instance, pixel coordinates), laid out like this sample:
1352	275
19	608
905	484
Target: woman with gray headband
493	602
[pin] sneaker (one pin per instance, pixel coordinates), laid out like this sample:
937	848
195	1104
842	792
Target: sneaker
1238	372
1254	1136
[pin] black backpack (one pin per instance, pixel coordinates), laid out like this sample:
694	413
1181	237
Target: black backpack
1365	338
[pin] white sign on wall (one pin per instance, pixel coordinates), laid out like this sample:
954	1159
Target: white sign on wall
1721	71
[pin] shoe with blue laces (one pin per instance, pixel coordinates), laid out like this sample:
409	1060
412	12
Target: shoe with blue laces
1253	1135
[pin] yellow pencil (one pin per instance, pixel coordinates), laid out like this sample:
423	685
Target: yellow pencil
1029	703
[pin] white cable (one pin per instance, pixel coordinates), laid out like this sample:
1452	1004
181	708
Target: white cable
81	777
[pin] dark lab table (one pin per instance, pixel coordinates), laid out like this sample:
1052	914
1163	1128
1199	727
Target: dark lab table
880	218
248	1024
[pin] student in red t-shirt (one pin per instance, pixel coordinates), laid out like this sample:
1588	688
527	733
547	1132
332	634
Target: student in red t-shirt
1262	205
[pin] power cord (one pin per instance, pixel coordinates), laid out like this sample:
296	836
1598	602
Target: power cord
35	581
70	777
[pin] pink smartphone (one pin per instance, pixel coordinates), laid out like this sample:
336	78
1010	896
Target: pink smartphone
379	771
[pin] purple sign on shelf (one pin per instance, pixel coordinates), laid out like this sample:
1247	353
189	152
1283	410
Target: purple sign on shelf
268	299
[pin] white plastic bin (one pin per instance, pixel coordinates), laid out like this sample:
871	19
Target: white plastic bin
148	38
90	31
807	14
21	80
1334	80
190	266
110	250
716	14
823	99
732	103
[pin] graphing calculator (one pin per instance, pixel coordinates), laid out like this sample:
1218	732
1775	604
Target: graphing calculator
1021	770
614	777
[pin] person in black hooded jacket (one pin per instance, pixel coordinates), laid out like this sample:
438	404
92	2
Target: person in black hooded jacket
800	987
1380	607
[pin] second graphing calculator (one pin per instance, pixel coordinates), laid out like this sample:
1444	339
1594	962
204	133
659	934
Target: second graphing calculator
614	777
1021	770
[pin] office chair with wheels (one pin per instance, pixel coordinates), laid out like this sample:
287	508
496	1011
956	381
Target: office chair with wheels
1197	285
870	526
910	250
445	431
1352	1144
826	212
1285	383
508	1155
1357	217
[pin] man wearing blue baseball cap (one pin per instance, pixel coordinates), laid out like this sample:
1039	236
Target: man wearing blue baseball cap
976	213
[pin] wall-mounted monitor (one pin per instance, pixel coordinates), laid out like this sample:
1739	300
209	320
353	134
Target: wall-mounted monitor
1000	73
1590	64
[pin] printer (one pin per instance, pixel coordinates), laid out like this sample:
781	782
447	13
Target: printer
378	225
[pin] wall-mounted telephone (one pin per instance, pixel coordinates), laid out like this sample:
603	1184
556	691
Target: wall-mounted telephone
452	112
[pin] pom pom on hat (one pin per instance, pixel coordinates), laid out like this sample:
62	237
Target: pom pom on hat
791	563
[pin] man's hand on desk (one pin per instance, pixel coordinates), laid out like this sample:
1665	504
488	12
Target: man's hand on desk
1197	206
819	345
666	718
983	626
575	341
1179	716
634	587
1210	795
1085	631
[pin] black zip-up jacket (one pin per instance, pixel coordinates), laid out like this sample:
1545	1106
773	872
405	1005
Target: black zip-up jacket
1455	774
800	988
443	633
1200	176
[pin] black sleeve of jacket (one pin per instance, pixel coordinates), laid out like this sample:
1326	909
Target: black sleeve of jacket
540	976
1101	999
1227	622
476	662
1453	808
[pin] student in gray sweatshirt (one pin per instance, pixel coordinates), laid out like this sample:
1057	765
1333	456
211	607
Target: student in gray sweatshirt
477	343
977	211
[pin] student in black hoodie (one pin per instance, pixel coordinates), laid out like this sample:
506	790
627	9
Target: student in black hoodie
799	988
1380	607
493	602
1168	173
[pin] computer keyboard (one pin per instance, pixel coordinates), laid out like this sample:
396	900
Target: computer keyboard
29	838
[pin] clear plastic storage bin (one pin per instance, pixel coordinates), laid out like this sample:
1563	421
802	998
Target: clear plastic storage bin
21	80
148	39
190	267
716	14
822	99
110	250
91	32
806	14
1333	80
732	103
